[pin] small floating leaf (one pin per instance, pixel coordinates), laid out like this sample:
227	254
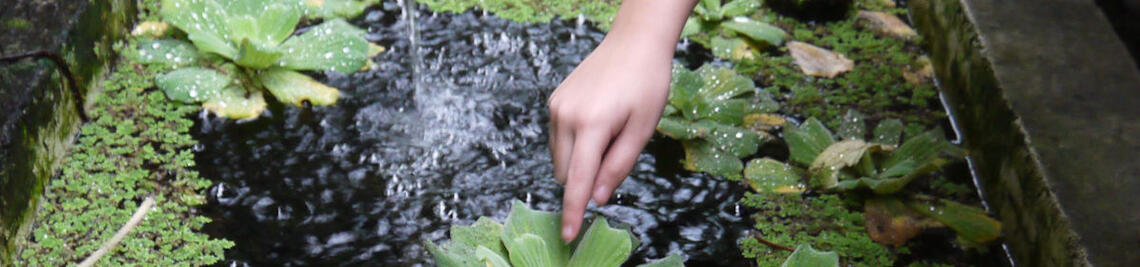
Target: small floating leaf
204	22
770	176
681	130
740	8
151	29
921	149
673	260
253	56
806	256
524	235
295	88
276	23
333	45
807	141
602	246
192	85
171	52
484	233
233	103
335	8
755	30
731	48
490	258
703	156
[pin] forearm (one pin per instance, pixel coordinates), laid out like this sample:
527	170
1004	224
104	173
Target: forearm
649	26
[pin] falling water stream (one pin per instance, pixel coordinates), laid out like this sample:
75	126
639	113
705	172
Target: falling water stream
450	125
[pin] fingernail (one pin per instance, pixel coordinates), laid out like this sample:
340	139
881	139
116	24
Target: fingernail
567	233
600	196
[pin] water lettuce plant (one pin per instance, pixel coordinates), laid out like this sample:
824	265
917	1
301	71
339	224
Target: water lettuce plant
707	110
531	238
240	49
880	167
729	30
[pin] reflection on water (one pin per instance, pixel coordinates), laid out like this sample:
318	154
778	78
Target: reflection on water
363	182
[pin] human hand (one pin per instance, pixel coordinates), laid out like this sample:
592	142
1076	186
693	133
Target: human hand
601	117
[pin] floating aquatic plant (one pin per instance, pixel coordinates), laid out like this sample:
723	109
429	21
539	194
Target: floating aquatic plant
240	49
531	238
707	112
732	34
880	167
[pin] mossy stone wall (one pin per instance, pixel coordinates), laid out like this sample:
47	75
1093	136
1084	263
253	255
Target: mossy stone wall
1043	93
40	119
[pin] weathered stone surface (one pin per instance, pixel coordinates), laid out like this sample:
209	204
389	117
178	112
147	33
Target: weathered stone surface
1044	95
38	116
819	62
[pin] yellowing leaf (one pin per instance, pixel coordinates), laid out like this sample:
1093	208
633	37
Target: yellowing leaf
235	105
295	88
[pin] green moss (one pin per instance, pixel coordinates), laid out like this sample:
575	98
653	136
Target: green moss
138	144
18	23
875	86
600	12
824	222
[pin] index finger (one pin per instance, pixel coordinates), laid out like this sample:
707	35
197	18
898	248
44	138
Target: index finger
584	161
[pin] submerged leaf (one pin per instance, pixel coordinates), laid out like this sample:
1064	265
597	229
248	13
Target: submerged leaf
233	103
192	85
891	222
602	246
888	132
770	176
853	126
806	256
295	88
972	224
807	141
532	238
170	52
333	45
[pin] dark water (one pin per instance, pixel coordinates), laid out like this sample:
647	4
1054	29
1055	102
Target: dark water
409	151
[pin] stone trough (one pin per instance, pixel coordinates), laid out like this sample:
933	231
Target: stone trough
1042	92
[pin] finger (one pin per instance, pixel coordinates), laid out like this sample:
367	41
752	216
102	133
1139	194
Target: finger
583	167
620	158
561	147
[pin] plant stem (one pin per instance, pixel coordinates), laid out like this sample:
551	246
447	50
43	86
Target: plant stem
756	235
140	213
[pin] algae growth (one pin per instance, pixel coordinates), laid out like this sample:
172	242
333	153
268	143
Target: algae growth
877	86
600	12
137	145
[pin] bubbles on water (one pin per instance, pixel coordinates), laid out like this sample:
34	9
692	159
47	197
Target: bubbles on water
364	181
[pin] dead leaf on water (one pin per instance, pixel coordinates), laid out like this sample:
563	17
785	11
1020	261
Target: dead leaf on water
921	74
817	61
887	24
151	28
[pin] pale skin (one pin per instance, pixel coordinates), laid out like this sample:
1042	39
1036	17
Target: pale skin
604	113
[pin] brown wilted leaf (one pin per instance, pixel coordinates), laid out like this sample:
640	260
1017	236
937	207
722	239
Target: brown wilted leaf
887	24
819	62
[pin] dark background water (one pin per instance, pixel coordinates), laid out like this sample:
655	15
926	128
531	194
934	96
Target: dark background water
437	135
